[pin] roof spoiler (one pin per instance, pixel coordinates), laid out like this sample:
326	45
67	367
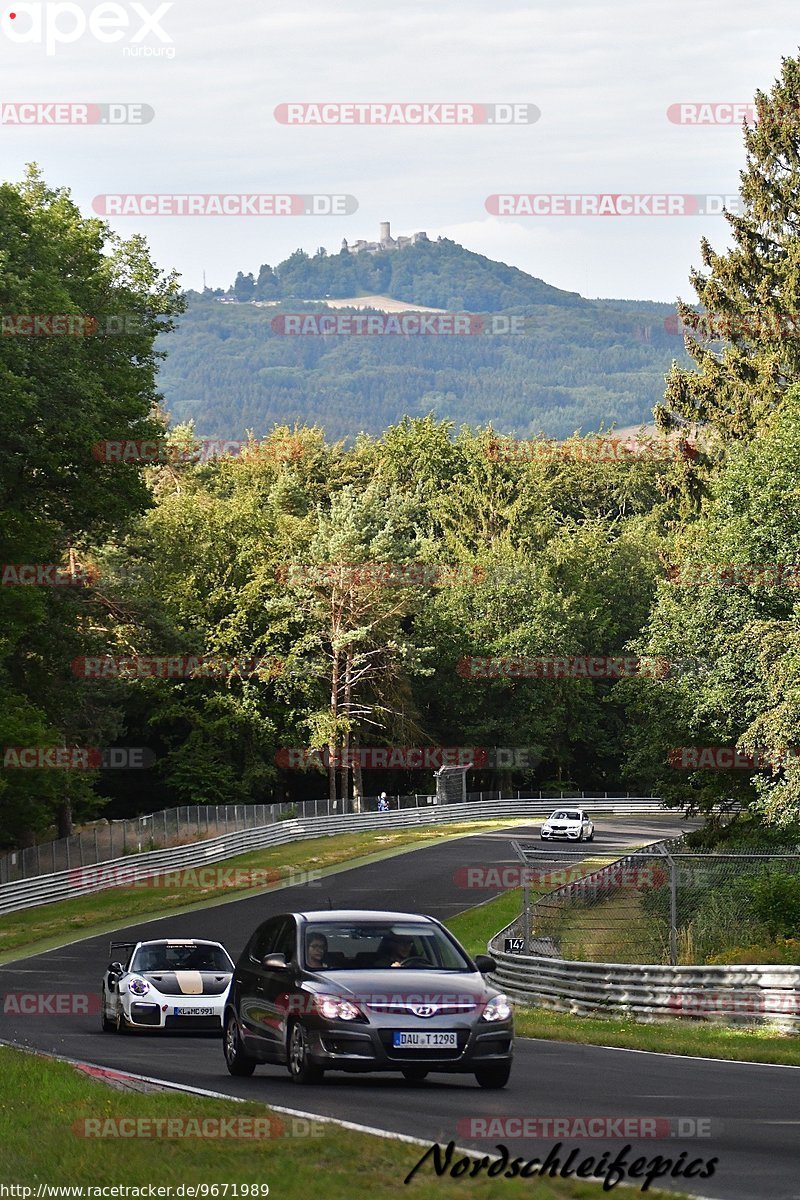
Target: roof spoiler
112	946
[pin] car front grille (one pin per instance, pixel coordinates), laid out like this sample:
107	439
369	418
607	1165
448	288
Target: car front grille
145	1014
439	1009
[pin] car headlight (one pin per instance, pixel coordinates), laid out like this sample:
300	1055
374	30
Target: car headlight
498	1009
139	987
332	1008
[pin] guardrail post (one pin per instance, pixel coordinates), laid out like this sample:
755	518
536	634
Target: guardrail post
526	916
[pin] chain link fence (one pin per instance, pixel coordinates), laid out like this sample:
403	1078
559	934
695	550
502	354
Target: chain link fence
663	904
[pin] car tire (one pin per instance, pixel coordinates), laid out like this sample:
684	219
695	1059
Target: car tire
121	1024
237	1060
106	1024
493	1075
301	1069
415	1074
591	837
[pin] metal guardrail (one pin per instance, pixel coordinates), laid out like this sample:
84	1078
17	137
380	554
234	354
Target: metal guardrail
84	880
731	994
104	839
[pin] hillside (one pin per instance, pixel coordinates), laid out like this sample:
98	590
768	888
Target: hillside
572	364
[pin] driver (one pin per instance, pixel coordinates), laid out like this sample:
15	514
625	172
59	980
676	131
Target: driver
394	951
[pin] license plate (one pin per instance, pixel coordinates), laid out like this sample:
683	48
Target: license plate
194	1012
402	1040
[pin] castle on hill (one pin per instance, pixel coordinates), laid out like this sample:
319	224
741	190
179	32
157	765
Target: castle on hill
385	242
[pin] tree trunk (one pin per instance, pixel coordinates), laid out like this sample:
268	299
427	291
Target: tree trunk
332	741
344	773
64	818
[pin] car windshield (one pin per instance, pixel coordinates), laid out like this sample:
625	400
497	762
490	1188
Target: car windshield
566	816
162	956
357	947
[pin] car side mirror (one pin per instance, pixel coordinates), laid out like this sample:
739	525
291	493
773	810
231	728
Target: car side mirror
275	962
485	963
116	968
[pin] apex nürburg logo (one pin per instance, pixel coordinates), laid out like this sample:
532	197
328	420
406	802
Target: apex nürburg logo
59	22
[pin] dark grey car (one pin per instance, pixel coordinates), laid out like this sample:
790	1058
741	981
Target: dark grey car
365	991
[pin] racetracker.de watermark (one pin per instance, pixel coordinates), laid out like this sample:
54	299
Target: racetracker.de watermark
728	758
611	204
728	326
145	666
384	758
51	1004
223	204
158	451
730	112
404	574
764	1002
600	449
77	758
510	877
77	325
406	324
591	1128
202	879
57	23
50	575
65	112
730	575
586	666
406	112
216	1129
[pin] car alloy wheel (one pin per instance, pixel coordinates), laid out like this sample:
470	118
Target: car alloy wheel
301	1069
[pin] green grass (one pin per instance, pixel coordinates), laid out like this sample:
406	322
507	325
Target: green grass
36	929
686	1037
613	930
40	1145
786	952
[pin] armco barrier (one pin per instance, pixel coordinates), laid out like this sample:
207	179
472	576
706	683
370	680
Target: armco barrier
46	889
731	994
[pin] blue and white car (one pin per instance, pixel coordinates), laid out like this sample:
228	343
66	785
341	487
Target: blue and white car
166	984
570	823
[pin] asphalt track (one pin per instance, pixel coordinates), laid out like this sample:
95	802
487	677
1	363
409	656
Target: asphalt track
747	1115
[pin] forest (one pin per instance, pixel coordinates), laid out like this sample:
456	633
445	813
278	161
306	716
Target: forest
261	622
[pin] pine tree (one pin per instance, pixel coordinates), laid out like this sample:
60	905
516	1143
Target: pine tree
747	341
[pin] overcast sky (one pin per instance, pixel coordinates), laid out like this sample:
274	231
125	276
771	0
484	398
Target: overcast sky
602	73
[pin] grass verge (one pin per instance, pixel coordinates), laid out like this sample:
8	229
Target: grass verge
42	1144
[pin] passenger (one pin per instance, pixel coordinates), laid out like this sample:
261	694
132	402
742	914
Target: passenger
316	952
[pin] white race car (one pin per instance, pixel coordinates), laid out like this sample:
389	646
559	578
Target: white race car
570	823
169	984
